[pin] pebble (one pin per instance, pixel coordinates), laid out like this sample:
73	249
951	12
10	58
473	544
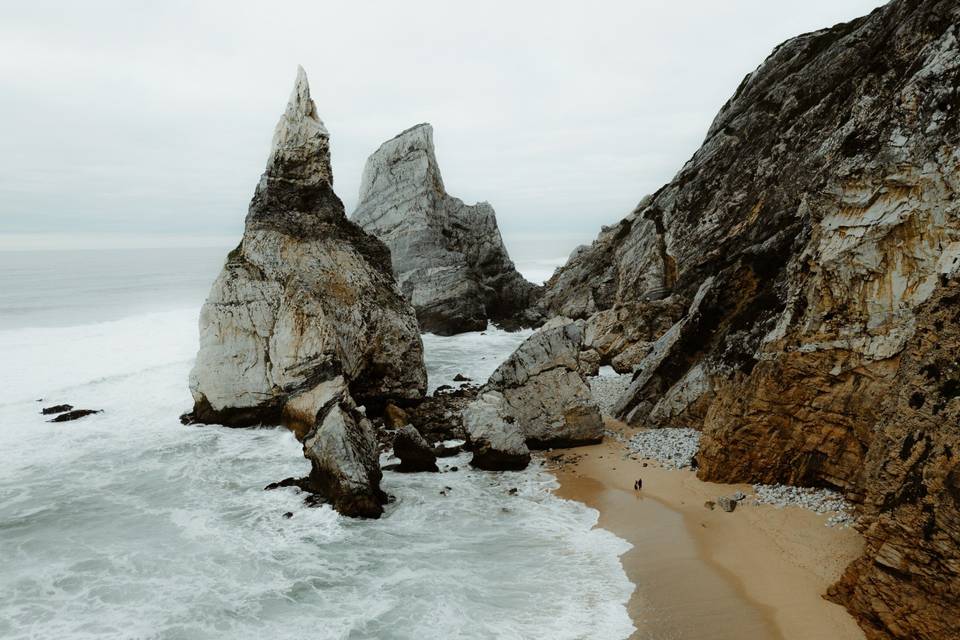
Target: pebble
816	500
672	448
607	389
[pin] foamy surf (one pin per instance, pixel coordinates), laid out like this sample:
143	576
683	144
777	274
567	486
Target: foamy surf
127	524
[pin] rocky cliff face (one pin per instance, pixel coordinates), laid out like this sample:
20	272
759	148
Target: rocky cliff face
907	583
448	257
306	317
799	242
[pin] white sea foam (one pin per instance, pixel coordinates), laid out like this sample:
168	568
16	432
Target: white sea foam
475	354
127	524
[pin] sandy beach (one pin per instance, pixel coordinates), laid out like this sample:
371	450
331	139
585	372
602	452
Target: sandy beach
756	573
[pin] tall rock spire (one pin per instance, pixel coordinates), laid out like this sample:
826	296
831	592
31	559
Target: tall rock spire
448	256
301	143
305	318
295	193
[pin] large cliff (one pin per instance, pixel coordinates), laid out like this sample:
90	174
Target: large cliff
305	318
448	257
789	261
907	584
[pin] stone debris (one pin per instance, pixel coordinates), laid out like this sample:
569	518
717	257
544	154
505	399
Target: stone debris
607	389
672	448
816	500
414	452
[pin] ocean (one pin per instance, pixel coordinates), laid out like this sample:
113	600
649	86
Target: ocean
127	524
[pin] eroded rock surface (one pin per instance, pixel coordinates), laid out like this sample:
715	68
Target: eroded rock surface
448	257
342	449
541	391
820	213
497	441
907	585
305	303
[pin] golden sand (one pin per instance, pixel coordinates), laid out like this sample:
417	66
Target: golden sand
753	574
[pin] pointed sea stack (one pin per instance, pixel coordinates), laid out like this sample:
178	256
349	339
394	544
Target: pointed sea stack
448	257
305	321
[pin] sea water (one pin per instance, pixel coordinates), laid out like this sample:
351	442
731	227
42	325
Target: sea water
127	524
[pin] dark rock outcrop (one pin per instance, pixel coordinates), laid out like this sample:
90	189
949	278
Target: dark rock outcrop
55	409
448	257
414	452
305	321
75	414
801	239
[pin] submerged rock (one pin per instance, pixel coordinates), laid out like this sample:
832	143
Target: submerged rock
75	414
305	317
448	257
414	452
57	408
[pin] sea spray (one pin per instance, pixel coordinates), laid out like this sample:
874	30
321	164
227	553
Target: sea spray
129	524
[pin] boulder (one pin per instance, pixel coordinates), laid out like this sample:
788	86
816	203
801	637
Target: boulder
395	417
544	388
305	320
414	452
342	449
57	408
726	503
448	257
496	440
442	451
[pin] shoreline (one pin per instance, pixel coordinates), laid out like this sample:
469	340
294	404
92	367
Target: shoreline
757	573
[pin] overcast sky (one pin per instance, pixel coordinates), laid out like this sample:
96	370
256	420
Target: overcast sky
148	123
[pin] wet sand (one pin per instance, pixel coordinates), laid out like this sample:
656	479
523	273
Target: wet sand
755	574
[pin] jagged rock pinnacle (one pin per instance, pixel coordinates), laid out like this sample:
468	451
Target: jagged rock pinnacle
448	256
305	324
301	143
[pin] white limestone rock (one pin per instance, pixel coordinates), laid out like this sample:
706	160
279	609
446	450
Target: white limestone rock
545	390
306	297
496	439
448	257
